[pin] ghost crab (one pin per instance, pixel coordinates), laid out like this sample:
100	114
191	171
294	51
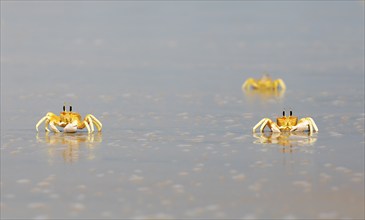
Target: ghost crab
70	121
264	83
289	123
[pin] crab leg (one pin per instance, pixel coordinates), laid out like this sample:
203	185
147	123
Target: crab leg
96	121
264	125
45	118
91	124
87	126
53	127
274	127
258	124
90	121
249	82
40	122
96	124
310	126
280	82
50	120
315	128
46	125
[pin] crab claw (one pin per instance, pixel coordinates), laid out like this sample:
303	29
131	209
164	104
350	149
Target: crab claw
70	128
300	127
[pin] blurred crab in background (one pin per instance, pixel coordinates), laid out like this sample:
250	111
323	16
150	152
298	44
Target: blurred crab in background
264	83
287	124
70	121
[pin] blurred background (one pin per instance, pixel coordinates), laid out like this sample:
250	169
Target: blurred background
95	55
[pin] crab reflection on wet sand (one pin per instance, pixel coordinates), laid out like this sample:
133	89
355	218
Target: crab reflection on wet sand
286	139
68	144
264	95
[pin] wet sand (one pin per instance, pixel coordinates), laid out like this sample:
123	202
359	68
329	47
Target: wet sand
196	163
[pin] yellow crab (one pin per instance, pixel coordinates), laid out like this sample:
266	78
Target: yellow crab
265	83
289	123
70	121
